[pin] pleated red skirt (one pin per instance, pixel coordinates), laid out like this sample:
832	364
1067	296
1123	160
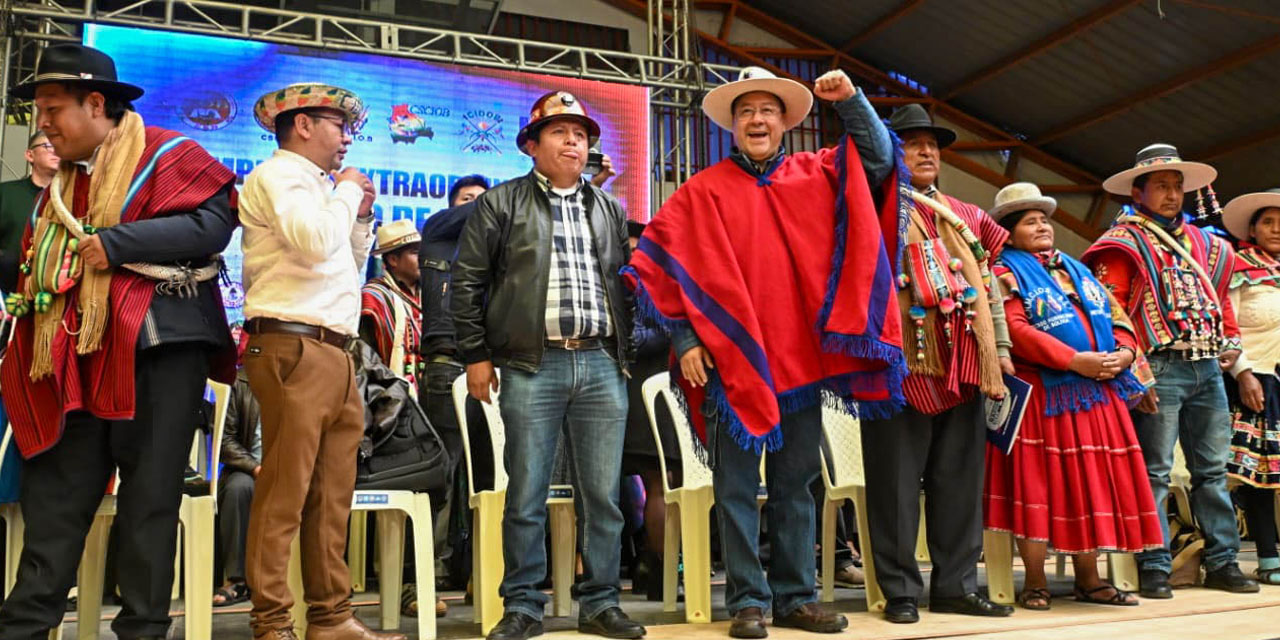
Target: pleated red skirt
1076	481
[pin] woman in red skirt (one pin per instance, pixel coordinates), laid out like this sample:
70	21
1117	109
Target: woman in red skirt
1075	480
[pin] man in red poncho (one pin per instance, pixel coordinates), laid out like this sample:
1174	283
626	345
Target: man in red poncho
121	322
770	272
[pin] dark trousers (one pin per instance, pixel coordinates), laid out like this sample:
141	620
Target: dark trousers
946	452
62	488
1260	514
235	496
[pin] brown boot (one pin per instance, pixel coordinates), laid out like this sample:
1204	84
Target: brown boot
350	629
748	623
811	617
276	634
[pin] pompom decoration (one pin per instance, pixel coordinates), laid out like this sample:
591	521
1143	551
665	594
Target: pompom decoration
43	301
904	281
956	264
947	305
16	305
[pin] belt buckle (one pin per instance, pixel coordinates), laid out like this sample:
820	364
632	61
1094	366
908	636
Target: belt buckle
573	344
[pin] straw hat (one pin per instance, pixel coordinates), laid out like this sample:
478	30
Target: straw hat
1021	196
309	95
796	98
396	235
1161	157
1238	212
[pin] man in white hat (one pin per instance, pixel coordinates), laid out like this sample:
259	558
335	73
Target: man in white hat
536	291
308	228
1172	279
390	308
957	350
742	266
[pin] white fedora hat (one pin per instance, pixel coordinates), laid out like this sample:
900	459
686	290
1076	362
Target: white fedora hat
1238	212
1021	196
395	235
796	98
1161	157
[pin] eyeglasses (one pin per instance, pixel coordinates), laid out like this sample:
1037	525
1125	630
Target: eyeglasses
341	122
43	145
768	113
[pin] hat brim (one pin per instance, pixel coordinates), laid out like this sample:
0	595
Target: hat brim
944	135
1044	203
1236	215
593	128
796	98
121	90
396	247
1195	175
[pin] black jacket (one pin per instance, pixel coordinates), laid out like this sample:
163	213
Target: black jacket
435	257
503	267
241	429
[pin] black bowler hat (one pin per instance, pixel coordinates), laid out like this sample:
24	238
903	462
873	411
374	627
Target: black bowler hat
80	65
913	116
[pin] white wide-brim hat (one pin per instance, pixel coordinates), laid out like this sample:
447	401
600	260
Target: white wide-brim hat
1238	212
396	235
1021	196
796	98
1161	157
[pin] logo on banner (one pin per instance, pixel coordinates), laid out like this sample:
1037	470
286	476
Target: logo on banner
207	110
407	125
482	132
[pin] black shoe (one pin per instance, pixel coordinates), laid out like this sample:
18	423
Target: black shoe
1154	583
748	623
611	623
1229	578
515	626
901	610
970	604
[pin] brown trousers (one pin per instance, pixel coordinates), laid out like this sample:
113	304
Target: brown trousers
312	423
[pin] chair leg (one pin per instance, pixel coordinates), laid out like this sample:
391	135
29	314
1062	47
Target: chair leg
198	584
828	550
424	565
477	565
356	536
875	597
15	529
997	548
93	570
695	539
1122	571
564	535
175	590
922	539
671	557
391	568
488	543
299	610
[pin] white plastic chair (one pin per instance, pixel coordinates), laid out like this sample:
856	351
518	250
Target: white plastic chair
688	519
12	514
199	536
487	506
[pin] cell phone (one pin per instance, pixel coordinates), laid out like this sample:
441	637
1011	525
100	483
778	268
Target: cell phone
595	161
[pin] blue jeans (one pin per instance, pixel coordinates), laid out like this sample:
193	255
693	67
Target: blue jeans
789	511
1192	412
584	394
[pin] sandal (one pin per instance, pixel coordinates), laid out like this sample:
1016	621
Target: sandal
233	593
1267	576
1027	599
1118	598
409	600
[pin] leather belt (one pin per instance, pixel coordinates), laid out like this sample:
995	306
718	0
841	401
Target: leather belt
1185	355
270	325
580	344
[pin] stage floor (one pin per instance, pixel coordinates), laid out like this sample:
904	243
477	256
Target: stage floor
1192	613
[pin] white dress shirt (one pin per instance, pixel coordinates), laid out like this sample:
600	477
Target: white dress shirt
304	247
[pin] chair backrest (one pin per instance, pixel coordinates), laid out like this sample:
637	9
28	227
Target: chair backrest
695	473
497	434
843	431
221	399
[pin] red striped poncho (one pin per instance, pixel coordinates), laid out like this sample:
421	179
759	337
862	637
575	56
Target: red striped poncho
174	175
786	281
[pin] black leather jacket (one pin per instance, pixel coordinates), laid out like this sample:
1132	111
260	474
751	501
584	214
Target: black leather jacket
241	430
503	267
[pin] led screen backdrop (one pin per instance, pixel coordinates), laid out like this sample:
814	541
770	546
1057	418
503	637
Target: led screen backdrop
428	123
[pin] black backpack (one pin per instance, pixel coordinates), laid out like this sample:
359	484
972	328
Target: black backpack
400	450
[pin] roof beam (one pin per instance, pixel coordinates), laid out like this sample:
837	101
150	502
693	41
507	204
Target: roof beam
726	23
1164	88
995	178
1247	141
1066	33
887	19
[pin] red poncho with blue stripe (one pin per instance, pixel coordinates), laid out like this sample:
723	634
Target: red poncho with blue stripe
786	281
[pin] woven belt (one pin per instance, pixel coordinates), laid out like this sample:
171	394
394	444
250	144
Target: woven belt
583	344
256	326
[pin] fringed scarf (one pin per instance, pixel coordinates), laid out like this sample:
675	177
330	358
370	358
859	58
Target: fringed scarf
57	268
973	313
1051	310
786	280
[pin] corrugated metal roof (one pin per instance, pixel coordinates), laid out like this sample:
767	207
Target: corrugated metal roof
943	42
